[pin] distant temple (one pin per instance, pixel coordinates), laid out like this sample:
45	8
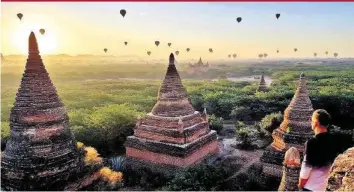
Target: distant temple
198	67
173	135
41	153
294	131
262	87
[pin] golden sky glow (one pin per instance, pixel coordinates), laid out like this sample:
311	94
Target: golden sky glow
88	28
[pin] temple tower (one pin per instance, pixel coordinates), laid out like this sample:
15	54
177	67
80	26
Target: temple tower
41	153
294	131
262	87
173	135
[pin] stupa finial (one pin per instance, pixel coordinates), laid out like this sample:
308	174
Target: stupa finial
172	59
32	44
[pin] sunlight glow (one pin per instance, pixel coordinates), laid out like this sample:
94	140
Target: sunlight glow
47	43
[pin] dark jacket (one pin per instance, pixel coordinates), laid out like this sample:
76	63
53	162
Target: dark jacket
325	147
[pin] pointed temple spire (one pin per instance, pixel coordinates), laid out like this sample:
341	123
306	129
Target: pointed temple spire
41	153
172	97
294	131
262	85
173	135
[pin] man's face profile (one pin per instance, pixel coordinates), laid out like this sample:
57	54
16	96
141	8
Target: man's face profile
314	121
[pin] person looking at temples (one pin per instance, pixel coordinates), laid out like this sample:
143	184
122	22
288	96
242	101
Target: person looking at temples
320	153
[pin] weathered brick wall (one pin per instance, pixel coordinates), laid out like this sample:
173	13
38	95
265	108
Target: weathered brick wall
172	160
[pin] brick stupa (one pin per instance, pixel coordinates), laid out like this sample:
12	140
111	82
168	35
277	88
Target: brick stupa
41	153
294	131
262	87
173	135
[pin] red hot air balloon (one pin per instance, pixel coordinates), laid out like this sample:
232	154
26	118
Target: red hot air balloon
123	12
20	15
239	19
157	43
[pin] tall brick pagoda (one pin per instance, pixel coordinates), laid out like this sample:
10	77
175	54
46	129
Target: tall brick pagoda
41	153
262	87
173	135
294	131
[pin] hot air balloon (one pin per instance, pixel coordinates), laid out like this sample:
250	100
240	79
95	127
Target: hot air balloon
335	54
157	43
265	55
177	52
210	50
295	49
105	50
169	44
238	19
260	56
277	15
125	43
20	15
326	52
149	53
42	31
123	12
229	56
188	49
277	51
234	56
315	54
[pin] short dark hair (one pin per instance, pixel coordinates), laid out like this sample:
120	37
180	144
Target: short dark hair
323	117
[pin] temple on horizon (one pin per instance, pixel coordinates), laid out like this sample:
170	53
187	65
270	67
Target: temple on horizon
173	135
294	131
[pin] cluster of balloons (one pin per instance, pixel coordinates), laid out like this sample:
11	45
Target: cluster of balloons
123	12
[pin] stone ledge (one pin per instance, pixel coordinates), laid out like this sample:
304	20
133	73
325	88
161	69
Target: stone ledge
169	148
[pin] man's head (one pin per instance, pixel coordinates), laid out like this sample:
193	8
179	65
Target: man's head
320	119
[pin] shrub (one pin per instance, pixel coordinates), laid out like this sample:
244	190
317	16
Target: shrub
215	123
106	128
246	136
271	122
239	124
199	178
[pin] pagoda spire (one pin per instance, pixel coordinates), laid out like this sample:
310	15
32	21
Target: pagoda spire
262	85
294	131
41	151
172	97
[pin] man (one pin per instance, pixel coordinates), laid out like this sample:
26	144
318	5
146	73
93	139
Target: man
320	153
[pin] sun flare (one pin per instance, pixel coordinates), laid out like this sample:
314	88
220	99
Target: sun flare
47	42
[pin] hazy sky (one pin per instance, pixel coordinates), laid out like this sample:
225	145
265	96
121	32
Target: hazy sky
88	28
